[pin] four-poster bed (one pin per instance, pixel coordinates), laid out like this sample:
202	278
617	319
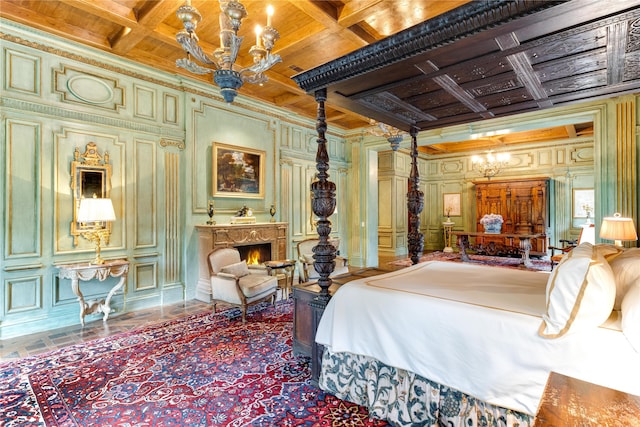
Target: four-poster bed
485	59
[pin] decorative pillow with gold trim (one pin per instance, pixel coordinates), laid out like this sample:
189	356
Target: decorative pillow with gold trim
626	271
631	315
580	293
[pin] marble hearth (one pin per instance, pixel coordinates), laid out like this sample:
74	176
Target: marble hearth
236	235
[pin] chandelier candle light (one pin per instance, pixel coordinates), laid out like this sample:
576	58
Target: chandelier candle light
228	75
491	165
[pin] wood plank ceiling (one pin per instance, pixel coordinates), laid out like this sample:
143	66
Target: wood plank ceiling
477	77
312	32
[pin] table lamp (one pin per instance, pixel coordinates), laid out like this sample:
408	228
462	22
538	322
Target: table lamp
99	212
618	228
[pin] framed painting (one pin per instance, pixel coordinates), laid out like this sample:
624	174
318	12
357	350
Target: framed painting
451	204
238	171
583	202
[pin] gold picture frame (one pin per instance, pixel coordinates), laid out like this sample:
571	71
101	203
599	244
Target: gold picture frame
90	177
238	172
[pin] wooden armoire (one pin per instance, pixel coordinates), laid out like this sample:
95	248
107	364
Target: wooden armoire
523	204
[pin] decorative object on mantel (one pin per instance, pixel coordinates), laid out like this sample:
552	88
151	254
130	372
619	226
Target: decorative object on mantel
272	212
492	223
211	210
618	228
491	165
228	75
244	216
99	212
393	135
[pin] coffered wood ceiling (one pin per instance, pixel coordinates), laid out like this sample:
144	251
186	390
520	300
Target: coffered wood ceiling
449	61
489	59
311	33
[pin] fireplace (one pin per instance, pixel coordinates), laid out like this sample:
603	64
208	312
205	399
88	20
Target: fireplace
255	254
270	238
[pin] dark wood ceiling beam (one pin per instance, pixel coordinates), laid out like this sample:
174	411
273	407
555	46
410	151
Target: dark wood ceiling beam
616	49
523	69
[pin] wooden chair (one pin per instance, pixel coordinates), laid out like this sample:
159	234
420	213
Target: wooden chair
587	234
305	258
238	284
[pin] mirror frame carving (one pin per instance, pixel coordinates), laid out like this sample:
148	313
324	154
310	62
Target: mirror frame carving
90	174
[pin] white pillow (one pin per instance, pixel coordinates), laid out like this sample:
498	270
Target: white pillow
580	293
239	269
631	315
626	271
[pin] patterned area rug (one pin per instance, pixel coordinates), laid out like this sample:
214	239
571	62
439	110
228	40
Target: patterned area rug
201	370
497	261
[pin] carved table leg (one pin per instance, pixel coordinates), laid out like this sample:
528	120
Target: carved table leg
106	307
75	286
463	243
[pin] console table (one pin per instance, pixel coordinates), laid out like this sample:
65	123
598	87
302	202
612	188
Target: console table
86	272
524	243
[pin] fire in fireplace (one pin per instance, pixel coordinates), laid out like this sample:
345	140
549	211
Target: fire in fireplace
255	254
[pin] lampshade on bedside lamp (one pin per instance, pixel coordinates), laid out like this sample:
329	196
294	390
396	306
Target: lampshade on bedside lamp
99	212
618	228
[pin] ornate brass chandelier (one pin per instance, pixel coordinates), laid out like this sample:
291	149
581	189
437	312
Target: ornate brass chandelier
492	164
228	75
393	135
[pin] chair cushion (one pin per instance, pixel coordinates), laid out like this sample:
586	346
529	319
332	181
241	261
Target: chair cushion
238	269
253	285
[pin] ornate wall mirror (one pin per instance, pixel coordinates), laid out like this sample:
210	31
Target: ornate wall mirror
90	175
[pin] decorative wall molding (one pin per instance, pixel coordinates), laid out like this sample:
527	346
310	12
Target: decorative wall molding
65	114
165	142
87	88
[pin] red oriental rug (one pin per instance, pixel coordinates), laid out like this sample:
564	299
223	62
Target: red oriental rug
497	261
201	370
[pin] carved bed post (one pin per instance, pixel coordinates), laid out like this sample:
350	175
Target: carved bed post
323	204
415	202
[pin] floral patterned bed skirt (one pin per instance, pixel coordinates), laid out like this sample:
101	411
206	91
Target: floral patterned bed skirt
403	398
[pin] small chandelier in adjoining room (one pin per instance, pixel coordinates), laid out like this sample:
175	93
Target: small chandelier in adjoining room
228	75
491	164
393	135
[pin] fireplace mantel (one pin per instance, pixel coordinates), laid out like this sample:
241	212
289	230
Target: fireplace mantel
231	235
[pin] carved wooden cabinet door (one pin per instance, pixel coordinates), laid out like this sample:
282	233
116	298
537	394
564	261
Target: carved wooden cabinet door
523	204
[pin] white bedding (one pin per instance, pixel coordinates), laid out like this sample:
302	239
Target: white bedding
473	328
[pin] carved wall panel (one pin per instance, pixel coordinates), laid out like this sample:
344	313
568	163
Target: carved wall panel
22	72
144	102
87	88
22	189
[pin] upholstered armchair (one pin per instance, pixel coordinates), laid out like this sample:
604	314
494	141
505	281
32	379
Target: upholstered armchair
305	258
238	284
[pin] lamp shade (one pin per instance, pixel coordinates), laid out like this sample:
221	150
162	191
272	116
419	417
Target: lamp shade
96	210
618	228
